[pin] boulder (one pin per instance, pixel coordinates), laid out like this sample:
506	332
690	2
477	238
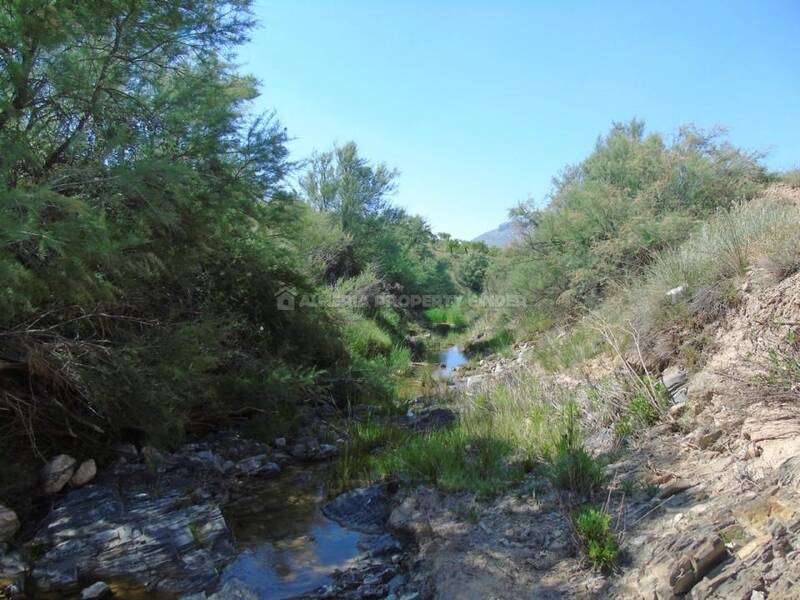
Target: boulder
96	591
13	570
57	473
701	556
9	523
363	509
257	465
234	589
675	379
84	474
172	536
432	418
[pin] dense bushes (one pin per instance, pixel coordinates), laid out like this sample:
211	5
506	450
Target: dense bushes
146	226
608	217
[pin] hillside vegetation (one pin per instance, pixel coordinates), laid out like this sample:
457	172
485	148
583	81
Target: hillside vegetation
148	220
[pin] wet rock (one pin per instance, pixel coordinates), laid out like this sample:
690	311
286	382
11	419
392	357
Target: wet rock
13	570
234	589
208	460
380	545
363	509
11	591
84	474
311	450
326	451
172	534
96	591
257	465
9	523
432	418
57	473
280	442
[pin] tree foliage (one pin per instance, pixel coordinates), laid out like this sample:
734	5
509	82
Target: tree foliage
146	225
633	197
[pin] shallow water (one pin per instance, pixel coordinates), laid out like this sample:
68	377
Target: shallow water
288	545
451	358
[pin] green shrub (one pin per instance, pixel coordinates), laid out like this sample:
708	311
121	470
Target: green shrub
472	270
453	459
365	338
499	342
634	197
570	467
593	528
453	315
561	350
645	408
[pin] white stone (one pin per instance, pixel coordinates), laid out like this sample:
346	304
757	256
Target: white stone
96	591
675	293
85	473
9	523
57	473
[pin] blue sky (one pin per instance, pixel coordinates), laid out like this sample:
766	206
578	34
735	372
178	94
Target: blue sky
479	104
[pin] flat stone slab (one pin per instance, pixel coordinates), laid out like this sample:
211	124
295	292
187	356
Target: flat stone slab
364	509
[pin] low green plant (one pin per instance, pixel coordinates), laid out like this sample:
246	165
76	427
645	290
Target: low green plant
454	315
499	342
644	409
364	337
563	350
452	459
593	528
570	466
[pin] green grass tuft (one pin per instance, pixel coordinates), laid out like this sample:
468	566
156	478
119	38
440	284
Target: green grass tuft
593	528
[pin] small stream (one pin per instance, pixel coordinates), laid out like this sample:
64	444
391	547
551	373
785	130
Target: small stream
450	359
288	546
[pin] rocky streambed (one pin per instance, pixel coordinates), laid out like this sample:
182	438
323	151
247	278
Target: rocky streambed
221	518
225	517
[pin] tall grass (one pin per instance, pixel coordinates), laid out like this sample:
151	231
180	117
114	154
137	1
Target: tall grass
728	245
502	432
556	350
455	315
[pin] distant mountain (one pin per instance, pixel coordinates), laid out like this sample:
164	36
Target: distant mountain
501	237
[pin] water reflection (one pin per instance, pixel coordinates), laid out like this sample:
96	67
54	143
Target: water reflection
289	546
450	359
